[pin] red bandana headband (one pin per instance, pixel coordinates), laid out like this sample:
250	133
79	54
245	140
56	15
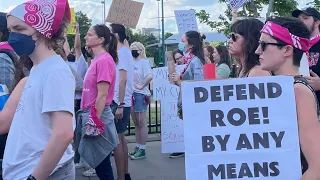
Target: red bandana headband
43	15
284	35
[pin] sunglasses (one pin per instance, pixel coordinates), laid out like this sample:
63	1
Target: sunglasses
234	37
264	45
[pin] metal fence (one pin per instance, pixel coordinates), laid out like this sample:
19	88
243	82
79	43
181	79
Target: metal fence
153	118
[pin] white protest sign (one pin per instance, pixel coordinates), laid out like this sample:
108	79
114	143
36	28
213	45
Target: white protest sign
241	129
236	4
172	135
161	82
186	21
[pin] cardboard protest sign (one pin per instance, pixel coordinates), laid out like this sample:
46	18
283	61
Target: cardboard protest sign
236	4
71	29
186	21
241	129
126	12
171	65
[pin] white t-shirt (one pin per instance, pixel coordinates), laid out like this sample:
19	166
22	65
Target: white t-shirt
142	69
50	87
125	63
81	67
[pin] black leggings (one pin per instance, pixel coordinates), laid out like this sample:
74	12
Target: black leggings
104	169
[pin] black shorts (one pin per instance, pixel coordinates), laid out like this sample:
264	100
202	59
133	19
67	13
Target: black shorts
122	124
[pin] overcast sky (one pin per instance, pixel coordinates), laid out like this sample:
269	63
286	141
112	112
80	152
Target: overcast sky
148	18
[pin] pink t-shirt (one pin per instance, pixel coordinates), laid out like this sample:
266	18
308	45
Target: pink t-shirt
102	69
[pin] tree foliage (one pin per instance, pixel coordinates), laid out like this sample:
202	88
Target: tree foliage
84	25
315	3
251	9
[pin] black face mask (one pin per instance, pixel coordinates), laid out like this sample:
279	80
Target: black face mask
71	58
135	53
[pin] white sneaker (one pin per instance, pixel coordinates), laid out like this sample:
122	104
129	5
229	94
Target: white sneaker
79	165
90	173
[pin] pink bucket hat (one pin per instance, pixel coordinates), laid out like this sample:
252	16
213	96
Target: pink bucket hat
43	15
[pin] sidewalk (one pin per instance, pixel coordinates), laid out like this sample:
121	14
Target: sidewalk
156	166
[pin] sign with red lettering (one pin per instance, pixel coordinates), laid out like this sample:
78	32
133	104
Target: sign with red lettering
241	129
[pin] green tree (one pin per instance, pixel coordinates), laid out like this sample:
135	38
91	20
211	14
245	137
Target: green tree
250	9
84	25
315	3
167	35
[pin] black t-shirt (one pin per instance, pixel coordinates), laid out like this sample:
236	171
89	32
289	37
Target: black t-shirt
314	54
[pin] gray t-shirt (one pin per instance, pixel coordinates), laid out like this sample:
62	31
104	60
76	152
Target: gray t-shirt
50	87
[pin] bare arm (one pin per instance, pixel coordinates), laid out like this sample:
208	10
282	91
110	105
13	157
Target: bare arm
103	88
309	130
234	15
66	46
77	42
257	71
6	115
62	135
122	85
147	80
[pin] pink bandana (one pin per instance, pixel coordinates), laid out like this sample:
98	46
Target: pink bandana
44	15
284	35
314	41
5	45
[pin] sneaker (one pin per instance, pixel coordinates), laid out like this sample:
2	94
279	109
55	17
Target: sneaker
141	153
90	173
134	152
79	165
176	155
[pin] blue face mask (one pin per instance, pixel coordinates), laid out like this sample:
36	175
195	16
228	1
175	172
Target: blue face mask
182	47
22	44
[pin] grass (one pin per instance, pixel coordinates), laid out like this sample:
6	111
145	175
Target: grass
150	120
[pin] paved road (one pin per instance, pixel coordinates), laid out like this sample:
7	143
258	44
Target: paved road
156	166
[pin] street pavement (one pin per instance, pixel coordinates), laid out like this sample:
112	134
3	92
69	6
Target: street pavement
156	166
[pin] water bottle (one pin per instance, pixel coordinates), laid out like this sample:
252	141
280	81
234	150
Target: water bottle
4	95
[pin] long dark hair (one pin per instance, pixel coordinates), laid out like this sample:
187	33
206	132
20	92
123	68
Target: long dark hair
110	40
196	39
250	30
224	55
210	50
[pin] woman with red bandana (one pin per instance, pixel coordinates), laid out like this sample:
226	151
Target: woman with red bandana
282	44
41	124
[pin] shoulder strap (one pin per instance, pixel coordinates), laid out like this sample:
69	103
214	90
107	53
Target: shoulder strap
302	80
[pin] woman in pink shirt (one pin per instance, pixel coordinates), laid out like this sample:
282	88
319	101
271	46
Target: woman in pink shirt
97	95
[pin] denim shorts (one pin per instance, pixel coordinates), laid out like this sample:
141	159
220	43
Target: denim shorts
122	124
139	102
65	172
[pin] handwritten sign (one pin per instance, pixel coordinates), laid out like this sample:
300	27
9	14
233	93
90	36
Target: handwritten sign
161	82
186	21
172	135
71	29
236	4
126	12
241	129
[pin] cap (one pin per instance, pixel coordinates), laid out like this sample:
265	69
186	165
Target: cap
310	11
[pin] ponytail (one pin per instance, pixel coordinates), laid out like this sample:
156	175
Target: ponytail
112	48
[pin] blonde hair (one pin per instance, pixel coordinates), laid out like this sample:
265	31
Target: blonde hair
140	47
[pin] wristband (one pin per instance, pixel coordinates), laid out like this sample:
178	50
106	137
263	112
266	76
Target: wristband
31	177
